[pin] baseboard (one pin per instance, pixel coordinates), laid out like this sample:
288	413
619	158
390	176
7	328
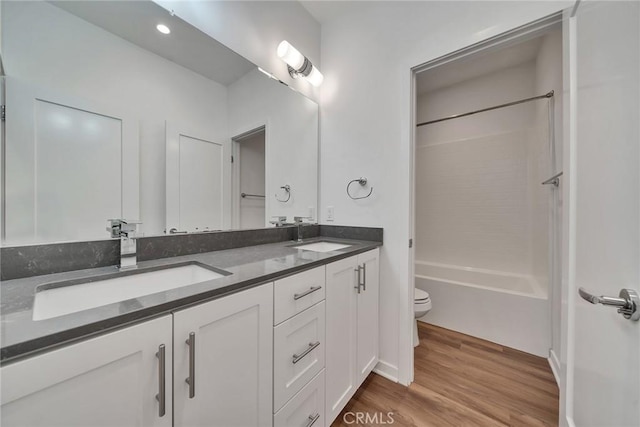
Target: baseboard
387	371
555	366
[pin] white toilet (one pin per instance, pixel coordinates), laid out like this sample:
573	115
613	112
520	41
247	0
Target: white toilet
421	306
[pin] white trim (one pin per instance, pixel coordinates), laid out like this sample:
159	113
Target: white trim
567	334
387	370
554	363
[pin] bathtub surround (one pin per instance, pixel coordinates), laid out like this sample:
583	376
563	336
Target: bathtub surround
26	261
482	216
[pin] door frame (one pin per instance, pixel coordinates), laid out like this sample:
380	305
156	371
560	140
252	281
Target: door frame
502	40
235	170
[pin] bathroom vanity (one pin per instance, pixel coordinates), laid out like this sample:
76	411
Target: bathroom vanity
284	337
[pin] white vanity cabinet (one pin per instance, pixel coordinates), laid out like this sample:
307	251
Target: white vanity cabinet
288	353
116	379
223	364
352	298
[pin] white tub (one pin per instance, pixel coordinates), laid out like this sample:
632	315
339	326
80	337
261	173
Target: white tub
508	309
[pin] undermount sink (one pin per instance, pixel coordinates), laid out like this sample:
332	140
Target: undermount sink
60	298
323	246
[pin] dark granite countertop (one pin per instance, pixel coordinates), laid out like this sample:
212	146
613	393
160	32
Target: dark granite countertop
250	266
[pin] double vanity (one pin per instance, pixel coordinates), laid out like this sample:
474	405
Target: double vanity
280	334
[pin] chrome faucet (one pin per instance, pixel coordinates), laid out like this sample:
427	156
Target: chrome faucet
298	220
127	232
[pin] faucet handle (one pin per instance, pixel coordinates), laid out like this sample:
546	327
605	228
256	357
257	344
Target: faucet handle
119	227
278	220
300	219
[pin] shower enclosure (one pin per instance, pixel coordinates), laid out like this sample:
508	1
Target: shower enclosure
485	224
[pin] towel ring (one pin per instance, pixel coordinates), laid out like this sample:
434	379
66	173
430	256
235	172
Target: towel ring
362	181
287	189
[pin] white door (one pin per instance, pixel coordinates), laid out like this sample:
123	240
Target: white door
198	180
111	380
368	316
70	166
604	372
341	300
228	361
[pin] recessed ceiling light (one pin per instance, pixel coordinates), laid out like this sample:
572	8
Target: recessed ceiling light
163	29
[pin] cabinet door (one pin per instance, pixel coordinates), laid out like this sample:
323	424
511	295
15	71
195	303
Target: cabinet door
367	322
228	363
341	306
110	380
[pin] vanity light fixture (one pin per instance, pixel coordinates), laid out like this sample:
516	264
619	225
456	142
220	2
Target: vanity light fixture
298	64
163	29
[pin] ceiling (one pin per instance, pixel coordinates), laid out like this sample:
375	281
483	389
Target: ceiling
477	65
135	21
325	11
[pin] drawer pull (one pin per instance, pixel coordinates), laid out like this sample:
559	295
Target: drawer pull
305	293
191	379
298	357
161	396
313	419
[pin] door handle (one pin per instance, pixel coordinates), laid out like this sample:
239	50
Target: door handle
161	397
628	302
191	379
364	276
358	284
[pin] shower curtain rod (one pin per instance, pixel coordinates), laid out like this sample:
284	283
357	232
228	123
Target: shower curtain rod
509	104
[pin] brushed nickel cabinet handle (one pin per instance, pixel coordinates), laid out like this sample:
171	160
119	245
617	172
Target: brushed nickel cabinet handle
364	276
299	357
161	397
191	379
313	419
359	277
305	293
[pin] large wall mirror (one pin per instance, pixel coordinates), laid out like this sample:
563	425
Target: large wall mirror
108	117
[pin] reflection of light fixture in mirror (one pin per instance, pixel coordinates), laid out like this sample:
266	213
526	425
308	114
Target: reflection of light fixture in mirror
268	74
163	29
299	65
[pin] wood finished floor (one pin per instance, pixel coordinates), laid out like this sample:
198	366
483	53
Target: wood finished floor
462	381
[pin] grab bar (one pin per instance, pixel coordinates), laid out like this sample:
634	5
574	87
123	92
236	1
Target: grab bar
554	180
243	195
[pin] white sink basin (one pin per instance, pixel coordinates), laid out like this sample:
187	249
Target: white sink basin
68	297
323	246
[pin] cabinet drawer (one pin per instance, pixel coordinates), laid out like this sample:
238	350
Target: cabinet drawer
306	408
296	293
298	346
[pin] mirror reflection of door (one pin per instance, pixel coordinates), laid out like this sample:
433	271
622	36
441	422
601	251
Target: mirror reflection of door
250	164
197	180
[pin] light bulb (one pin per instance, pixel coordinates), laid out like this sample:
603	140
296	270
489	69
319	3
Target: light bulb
315	77
290	55
163	29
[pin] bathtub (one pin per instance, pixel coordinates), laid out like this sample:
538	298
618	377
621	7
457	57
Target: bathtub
505	308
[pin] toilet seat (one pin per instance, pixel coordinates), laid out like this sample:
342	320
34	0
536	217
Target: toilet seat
420	296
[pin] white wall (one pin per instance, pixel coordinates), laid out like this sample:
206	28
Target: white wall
365	127
254	29
48	47
291	146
